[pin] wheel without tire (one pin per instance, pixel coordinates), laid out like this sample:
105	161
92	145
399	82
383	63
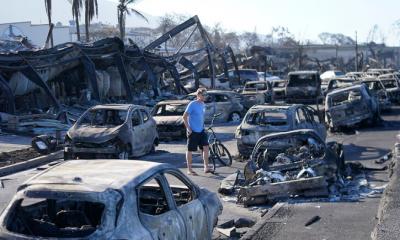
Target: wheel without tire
235	117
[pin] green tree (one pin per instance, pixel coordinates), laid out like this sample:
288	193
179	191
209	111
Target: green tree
47	4
91	10
124	10
76	14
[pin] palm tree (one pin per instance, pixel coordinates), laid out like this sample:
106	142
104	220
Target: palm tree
76	13
47	4
91	10
123	10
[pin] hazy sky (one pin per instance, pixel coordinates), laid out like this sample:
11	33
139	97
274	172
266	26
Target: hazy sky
304	18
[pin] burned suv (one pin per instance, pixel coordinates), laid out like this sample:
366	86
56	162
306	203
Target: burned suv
303	87
261	120
168	117
377	89
257	92
112	130
350	106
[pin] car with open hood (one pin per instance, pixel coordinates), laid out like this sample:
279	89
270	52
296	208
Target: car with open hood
261	120
112	131
110	199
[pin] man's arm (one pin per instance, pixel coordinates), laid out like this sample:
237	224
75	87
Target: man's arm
186	122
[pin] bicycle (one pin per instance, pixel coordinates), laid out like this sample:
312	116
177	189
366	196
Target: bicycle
217	150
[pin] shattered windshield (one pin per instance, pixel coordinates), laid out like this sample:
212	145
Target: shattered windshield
302	80
389	83
170	110
61	218
267	118
103	117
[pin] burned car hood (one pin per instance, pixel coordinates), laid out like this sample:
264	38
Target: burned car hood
93	134
168	120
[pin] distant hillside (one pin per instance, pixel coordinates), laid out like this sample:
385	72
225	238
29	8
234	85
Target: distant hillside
34	11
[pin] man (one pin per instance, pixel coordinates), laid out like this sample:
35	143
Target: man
193	118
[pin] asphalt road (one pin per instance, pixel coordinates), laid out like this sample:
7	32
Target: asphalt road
339	220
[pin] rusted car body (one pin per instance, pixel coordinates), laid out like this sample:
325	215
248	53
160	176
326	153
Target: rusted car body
303	87
110	199
377	89
261	120
350	106
227	103
297	162
278	87
112	131
168	117
257	92
392	87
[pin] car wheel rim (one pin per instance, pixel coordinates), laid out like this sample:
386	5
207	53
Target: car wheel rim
123	155
235	117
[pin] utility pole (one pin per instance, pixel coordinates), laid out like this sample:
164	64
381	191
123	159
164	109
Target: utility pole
356	54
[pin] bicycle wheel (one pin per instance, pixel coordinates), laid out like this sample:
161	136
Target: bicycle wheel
222	154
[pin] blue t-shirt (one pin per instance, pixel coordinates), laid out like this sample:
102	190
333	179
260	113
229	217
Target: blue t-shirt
196	111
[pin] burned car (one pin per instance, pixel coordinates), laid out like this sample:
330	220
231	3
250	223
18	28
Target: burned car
257	92
303	87
294	163
350	106
392	87
261	120
110	199
168	117
336	83
226	102
278	87
377	89
112	131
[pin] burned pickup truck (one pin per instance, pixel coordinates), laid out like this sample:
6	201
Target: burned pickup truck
112	131
168	117
110	199
377	89
350	106
257	92
303	87
295	163
261	120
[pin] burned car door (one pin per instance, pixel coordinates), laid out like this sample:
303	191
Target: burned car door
137	133
209	108
222	105
301	119
316	121
188	205
149	127
157	211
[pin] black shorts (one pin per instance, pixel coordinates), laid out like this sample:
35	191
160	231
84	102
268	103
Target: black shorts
195	140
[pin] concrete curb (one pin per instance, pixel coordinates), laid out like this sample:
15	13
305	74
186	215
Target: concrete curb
261	223
17	167
388	226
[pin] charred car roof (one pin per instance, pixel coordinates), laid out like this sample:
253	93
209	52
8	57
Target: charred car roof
258	108
183	101
95	175
336	91
115	106
303	72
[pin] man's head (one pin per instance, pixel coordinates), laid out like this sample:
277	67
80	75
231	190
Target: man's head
201	94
